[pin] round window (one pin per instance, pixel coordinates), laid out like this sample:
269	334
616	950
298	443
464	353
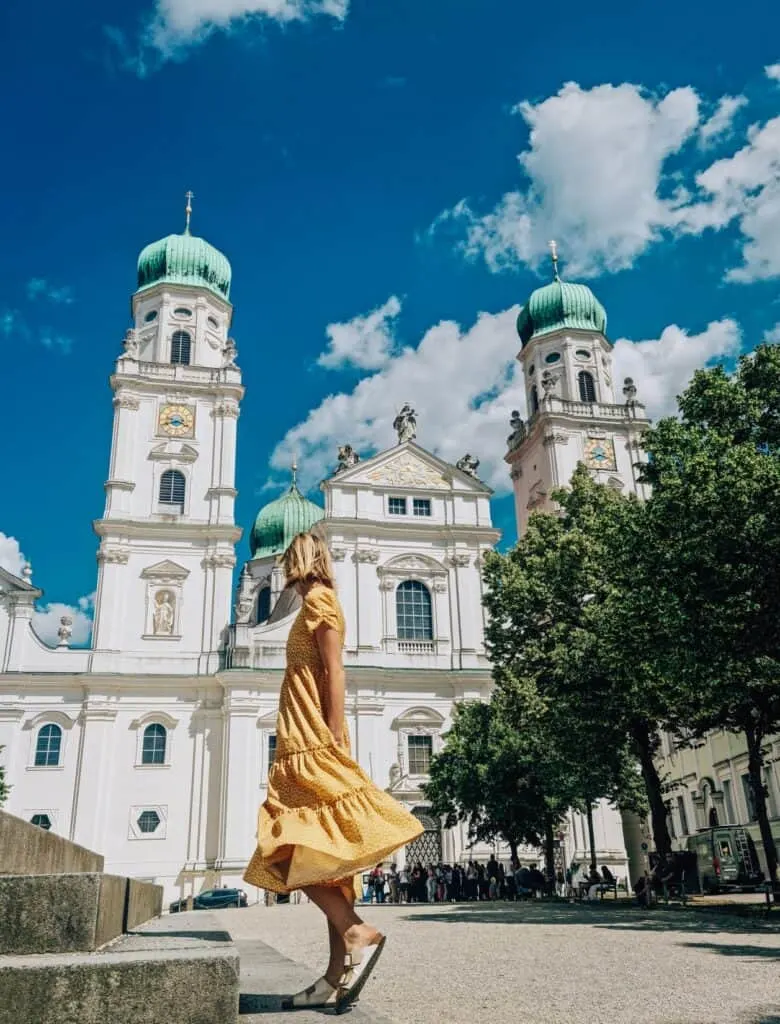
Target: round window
182	311
553	357
151	315
582	353
213	323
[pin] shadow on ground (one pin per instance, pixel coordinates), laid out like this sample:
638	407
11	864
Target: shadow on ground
601	915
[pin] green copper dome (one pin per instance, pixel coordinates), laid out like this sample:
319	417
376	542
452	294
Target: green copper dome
184	259
559	305
278	522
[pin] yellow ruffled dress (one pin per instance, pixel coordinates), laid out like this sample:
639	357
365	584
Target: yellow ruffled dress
324	820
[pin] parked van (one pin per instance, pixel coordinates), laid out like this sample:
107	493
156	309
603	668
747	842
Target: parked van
726	858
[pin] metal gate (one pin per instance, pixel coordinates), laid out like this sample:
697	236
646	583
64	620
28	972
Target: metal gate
426	849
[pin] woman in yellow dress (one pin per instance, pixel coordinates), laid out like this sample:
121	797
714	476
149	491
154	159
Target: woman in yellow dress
324	821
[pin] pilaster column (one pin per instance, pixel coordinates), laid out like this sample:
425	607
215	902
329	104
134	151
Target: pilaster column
94	772
206	725
240	779
369	622
122	469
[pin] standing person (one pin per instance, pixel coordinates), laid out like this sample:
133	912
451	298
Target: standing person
430	884
324	821
392	882
404	883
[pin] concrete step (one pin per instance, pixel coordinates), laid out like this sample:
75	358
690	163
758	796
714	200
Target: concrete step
26	849
172	970
67	913
267	978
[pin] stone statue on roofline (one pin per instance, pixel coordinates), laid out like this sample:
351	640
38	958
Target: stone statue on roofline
348	458
517	436
406	424
468	465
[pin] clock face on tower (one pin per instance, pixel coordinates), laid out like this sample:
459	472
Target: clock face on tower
176	420
600	453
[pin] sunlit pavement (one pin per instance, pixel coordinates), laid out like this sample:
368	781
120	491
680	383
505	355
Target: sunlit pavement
547	962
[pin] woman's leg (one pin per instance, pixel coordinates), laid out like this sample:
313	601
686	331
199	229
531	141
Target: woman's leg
347	926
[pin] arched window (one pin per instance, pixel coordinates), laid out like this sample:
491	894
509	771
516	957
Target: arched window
587	386
180	348
48	746
172	485
153	749
264	604
413	611
534	400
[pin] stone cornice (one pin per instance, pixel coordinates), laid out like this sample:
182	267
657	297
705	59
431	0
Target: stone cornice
164	529
358	528
197	381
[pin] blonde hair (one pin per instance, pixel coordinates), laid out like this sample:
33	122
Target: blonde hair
307	560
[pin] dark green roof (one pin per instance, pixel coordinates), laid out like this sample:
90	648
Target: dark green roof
560	305
184	259
279	521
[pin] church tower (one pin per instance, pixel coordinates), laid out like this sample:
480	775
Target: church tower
168	533
572	414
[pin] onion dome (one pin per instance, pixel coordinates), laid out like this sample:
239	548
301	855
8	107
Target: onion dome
560	305
278	522
185	259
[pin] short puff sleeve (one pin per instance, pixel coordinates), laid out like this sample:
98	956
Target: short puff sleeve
321	606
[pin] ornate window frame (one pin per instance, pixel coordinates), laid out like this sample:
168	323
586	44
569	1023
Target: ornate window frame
161	832
433	575
139	725
416	721
34	726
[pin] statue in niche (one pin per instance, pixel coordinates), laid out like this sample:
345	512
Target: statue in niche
132	345
518	430
406	424
468	465
348	458
162	619
245	599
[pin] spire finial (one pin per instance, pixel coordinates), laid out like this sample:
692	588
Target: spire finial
553	247
189	195
294	470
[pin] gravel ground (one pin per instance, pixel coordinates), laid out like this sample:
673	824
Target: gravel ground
548	963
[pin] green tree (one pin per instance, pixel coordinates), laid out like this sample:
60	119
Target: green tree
487	776
715	512
574	607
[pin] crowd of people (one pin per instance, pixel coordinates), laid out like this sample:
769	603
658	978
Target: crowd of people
473	881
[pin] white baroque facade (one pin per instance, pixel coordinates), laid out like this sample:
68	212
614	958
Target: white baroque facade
153	745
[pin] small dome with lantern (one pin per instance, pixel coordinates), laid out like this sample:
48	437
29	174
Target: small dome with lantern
184	259
559	305
279	521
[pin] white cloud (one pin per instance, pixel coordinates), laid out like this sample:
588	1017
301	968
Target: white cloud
773	334
744	187
11	557
773	71
39	288
176	24
365	341
594	166
464	384
721	121
662	367
46	618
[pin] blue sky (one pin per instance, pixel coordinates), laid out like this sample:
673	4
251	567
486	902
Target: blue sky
383	176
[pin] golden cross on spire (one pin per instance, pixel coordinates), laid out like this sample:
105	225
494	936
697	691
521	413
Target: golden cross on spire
189	196
553	247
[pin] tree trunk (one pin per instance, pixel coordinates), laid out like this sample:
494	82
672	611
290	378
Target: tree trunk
512	851
591	834
645	746
755	766
549	846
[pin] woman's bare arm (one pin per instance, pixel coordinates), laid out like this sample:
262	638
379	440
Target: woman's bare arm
329	643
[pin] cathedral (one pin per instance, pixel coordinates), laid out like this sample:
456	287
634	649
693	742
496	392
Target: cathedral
152	746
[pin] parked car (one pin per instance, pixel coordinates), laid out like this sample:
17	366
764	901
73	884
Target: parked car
211	899
726	858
